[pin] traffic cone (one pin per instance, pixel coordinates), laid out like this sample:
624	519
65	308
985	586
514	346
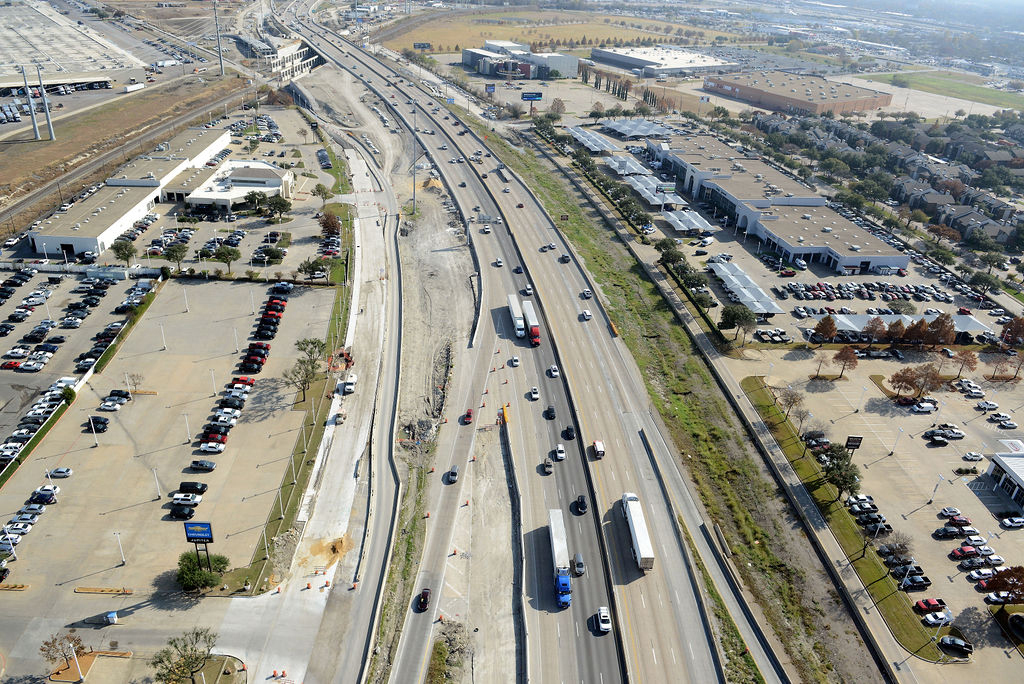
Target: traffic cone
483	404
284	673
455	552
327	583
506	381
467	502
427	515
309	585
275	674
486	391
431	470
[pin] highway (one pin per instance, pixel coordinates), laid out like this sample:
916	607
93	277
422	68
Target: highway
657	615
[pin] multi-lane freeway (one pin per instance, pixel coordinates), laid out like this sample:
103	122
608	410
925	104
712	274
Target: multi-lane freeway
660	632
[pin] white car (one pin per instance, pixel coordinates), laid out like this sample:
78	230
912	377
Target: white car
924	408
32	509
499	263
226	421
939	618
975	394
514	362
954	434
16	353
560	452
1006	424
981	574
9	540
229	412
187	499
61	472
241	388
604	619
987	405
999	417
117	400
534	393
994	560
17	528
553	371
986	550
973	456
587	294
1012	523
949	512
110	406
24	519
211	447
974	540
998	597
71	323
48	489
586	314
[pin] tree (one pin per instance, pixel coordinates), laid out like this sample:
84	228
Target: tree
917	332
903	307
330	225
840	471
192	576
904	380
323	192
176	253
800	414
314	349
826	328
256	198
875	329
61	646
999	363
557	106
833	168
823	360
1009	579
226	255
301	375
941	330
279	205
963	269
664	244
183	656
124	251
967	359
928	378
895	331
1013	331
846	358
984	281
303	132
790	399
733	315
596	111
68	395
991	259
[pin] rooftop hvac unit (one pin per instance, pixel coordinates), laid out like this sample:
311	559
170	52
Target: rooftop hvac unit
806	217
826	229
800	239
854	248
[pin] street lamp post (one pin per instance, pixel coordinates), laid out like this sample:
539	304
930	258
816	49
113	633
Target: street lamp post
893	450
213	381
188	431
120	548
162	337
235	332
937	483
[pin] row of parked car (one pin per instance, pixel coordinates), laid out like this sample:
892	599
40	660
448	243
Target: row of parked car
29	424
28	516
862	507
138	228
270	319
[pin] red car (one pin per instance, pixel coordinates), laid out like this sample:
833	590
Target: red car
272	314
255	359
468	418
519	206
245	380
906	401
930	605
275	300
963	552
959	521
213	437
11	364
259	345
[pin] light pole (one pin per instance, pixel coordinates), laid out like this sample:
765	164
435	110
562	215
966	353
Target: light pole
128	385
937	483
213	381
864	390
893	450
188	431
235	332
119	547
157	481
162	338
252	302
185	294
95	439
44	250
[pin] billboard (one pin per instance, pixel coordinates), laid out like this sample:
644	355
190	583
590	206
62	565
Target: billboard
199	532
421	46
489	87
532	97
450	100
854	442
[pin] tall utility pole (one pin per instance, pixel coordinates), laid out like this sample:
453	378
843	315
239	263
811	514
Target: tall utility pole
31	104
216	23
46	103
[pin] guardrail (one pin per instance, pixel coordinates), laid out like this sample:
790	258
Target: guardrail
519	553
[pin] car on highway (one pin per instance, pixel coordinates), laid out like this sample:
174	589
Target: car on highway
553	371
586	293
570	431
581	504
534	394
604	620
424	600
468	417
586	314
559	452
499	263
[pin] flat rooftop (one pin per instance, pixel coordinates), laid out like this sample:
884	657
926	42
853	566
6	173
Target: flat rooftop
753	179
797	86
791	223
667	57
95	214
190	179
696	146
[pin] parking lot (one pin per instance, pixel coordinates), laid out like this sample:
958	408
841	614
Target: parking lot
183	354
912	478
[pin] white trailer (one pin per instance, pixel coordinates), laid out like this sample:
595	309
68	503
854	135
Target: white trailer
516	312
560	557
643	551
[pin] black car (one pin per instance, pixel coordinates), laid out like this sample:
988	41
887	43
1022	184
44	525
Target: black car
217	429
203	465
960	646
549	412
44	498
182	512
570	432
91	302
947	532
192	488
265	334
4	572
581	504
97	423
57	339
232	402
5	329
124	394
248	367
264	353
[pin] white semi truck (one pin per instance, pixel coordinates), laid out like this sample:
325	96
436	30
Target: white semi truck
560	555
516	312
643	551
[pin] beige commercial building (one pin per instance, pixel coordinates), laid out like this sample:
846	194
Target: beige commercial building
796	93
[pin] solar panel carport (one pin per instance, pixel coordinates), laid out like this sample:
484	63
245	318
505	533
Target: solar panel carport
744	288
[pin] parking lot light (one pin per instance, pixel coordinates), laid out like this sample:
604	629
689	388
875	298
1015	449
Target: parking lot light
893	450
188	431
235	333
213	379
162	337
120	548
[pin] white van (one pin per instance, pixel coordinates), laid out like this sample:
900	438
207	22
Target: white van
350	384
706	241
598	449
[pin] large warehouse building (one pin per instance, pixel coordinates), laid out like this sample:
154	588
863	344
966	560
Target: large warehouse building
505	59
796	93
663	60
789	218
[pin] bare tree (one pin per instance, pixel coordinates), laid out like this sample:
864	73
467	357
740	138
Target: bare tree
789	399
823	360
61	646
135	381
967	359
800	415
999	364
846	358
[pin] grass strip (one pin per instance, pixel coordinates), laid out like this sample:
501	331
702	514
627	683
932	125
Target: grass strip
133	318
894	605
31	444
437	671
739	665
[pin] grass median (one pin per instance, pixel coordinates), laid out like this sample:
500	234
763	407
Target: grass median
895	606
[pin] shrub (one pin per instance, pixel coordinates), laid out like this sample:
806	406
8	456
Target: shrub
165	272
192	576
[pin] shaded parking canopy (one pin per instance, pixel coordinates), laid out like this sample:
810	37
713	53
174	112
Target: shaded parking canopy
627	166
686	221
631	129
647	187
856	322
592	141
746	290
